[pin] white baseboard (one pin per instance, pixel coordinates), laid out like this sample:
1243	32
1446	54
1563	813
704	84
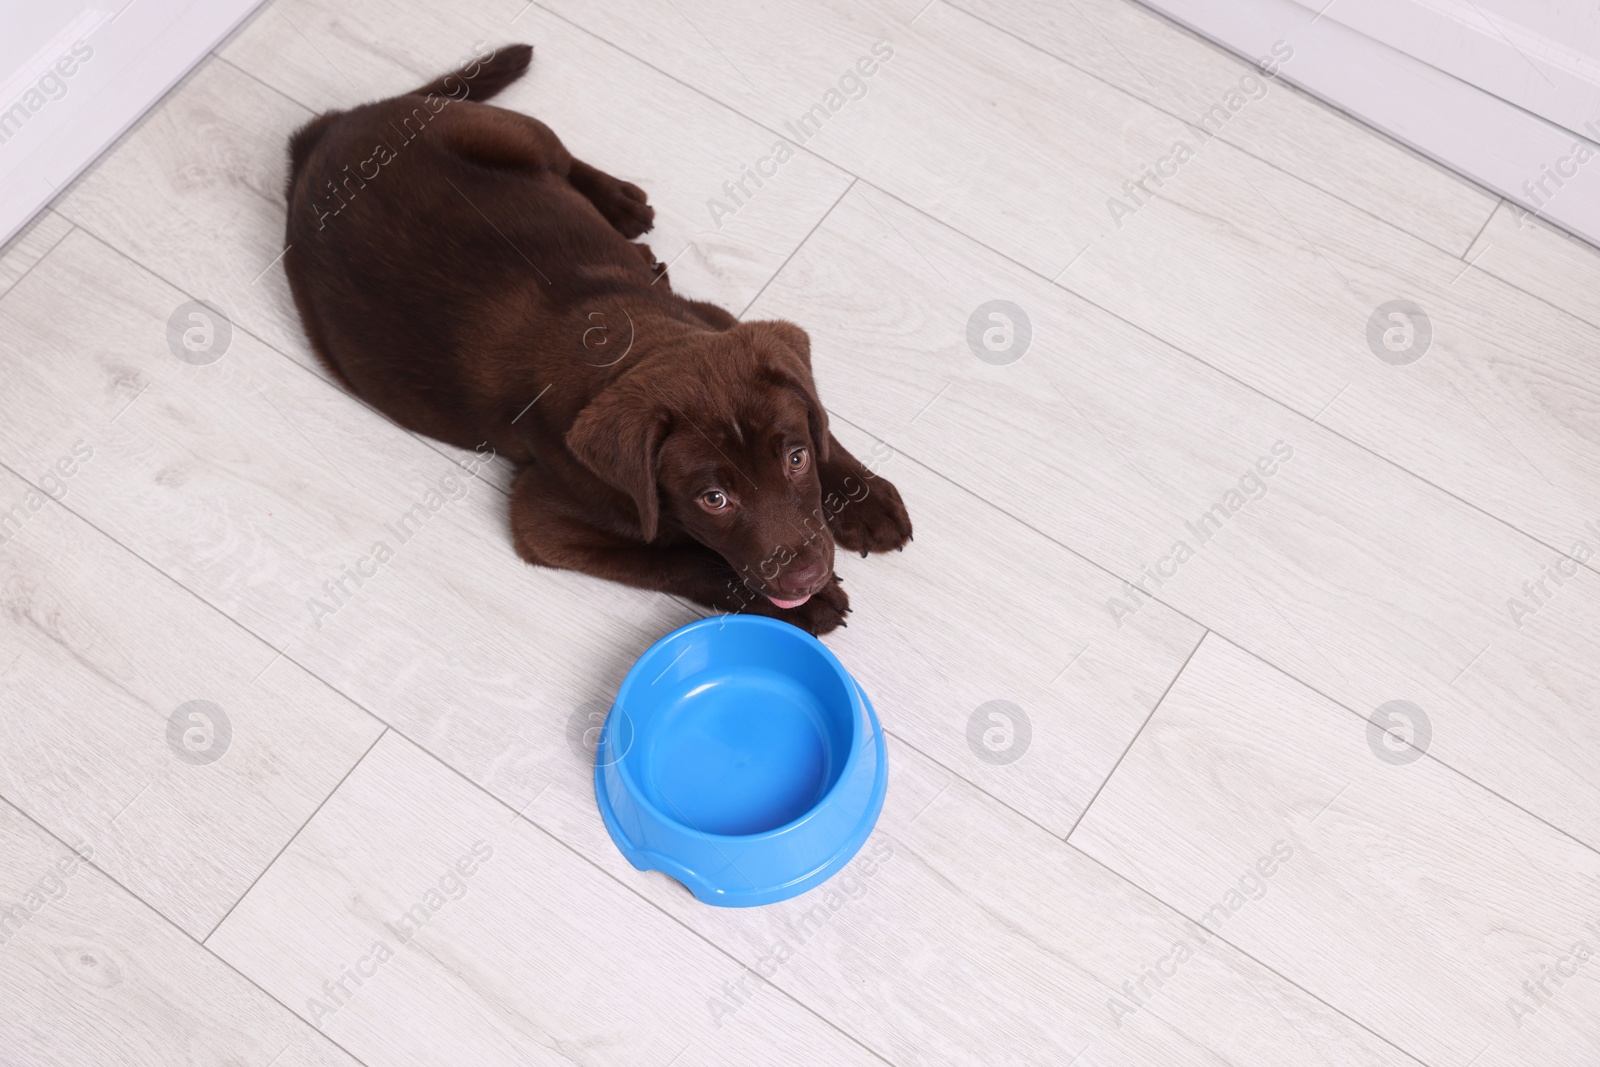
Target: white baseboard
1512	152
76	75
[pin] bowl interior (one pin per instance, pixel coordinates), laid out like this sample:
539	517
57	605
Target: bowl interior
738	729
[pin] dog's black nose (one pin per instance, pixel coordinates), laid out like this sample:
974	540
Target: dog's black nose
802	581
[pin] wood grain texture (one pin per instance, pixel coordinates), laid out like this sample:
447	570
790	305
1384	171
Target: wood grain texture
234	535
222	539
524	954
981	616
610	109
1360	579
195	195
965	934
1184	75
996	138
1288	295
1413	898
1547	262
30	246
92	976
101	654
1253	270
266	492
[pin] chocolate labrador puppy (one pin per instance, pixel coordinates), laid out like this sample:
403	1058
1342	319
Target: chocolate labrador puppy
456	268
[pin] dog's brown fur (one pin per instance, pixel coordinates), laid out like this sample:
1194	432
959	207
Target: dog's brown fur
456	268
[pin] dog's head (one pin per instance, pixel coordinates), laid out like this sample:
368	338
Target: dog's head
723	436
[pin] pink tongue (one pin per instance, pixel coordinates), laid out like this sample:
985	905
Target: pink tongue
789	603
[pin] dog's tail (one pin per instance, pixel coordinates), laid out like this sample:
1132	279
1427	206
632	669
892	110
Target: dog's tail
478	80
482	78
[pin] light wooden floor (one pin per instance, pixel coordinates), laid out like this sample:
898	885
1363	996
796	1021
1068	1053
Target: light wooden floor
1201	846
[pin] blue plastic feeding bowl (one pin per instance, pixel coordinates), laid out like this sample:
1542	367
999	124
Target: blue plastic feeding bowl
742	759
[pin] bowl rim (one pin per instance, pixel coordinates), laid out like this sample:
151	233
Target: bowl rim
858	730
716	891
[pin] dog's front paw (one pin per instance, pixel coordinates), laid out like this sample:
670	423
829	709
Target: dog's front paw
823	613
877	522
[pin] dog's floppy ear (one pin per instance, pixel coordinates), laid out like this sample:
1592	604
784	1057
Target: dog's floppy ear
788	363
618	436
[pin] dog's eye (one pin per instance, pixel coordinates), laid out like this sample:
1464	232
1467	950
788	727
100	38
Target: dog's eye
798	459
713	500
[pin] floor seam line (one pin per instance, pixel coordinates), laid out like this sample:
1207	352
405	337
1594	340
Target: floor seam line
300	829
1311	97
163	918
1237	643
1135	738
1492	213
1255	390
1268	968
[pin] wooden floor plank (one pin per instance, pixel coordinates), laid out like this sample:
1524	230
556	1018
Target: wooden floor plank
1358	529
1549	263
308	482
207	170
307	519
990	649
463	934
1170	68
135	720
90	975
1021	946
195	194
1014	961
610	109
1423	905
1356	577
1268	278
30	246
